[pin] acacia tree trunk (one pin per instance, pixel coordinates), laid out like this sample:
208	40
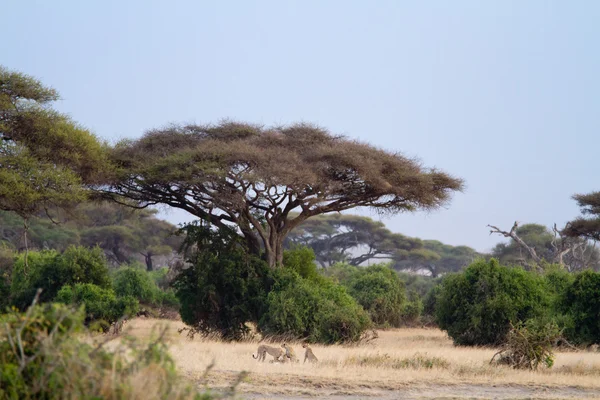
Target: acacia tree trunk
148	259
25	229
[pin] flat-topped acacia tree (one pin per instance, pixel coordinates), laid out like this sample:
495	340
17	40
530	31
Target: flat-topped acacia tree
253	178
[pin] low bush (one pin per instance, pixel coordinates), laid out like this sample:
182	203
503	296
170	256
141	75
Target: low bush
136	282
380	291
477	305
529	345
581	306
159	276
41	357
413	309
302	260
319	311
48	270
102	306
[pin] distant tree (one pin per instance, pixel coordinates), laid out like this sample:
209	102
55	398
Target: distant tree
350	238
437	258
124	232
252	178
588	228
43	233
533	244
44	156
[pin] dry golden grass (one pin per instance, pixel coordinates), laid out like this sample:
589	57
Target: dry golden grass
398	359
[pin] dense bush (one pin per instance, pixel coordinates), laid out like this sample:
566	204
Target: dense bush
581	306
51	362
50	271
102	306
302	260
412	309
430	302
159	276
317	310
340	272
381	292
477	306
224	288
135	282
421	284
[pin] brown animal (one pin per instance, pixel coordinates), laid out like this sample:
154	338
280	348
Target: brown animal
290	353
308	354
263	349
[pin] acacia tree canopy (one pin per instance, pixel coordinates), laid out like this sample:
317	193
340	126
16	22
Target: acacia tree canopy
253	177
589	227
44	156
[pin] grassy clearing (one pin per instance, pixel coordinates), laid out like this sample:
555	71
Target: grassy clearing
398	359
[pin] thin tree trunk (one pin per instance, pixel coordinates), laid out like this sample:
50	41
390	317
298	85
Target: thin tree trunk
26	228
148	258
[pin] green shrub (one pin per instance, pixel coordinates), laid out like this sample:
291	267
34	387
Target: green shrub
302	260
413	309
581	305
136	282
430	303
102	306
477	306
380	291
316	310
224	288
168	298
159	276
341	272
50	271
419	283
51	362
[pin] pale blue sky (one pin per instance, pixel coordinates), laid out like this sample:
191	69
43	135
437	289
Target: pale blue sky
504	94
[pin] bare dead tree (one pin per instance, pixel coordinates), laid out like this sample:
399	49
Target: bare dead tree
573	253
513	235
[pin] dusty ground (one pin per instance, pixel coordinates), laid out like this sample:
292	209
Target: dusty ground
387	368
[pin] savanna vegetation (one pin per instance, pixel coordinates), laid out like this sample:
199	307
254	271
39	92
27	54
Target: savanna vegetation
270	256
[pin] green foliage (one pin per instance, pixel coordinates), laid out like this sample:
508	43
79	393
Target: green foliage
50	271
159	276
581	304
413	308
135	282
340	272
430	302
302	260
102	306
318	311
477	306
529	344
380	291
43	357
224	288
44	155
